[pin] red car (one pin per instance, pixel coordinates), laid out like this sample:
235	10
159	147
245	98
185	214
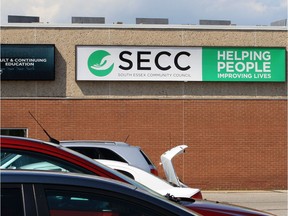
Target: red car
25	153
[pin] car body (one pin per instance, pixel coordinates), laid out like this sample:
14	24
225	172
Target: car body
62	194
37	153
110	150
151	181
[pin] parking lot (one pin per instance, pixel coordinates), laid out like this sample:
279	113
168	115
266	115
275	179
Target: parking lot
274	201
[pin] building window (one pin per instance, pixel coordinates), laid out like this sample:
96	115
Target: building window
21	132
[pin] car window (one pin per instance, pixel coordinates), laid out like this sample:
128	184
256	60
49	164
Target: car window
11	197
146	158
28	160
98	153
126	173
70	203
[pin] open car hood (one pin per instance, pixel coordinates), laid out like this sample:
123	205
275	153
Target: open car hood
166	160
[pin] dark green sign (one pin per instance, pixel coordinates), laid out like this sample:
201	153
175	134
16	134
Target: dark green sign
27	62
251	64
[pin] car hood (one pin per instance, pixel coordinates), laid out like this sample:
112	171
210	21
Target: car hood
179	192
166	160
206	207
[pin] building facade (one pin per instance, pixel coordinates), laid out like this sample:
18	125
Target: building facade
235	126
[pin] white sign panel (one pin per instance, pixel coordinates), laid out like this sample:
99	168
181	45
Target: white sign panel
127	63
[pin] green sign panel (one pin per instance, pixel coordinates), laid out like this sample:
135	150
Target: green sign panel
234	64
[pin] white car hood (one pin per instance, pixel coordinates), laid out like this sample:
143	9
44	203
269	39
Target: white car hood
166	160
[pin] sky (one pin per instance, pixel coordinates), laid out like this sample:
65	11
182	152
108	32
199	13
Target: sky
240	12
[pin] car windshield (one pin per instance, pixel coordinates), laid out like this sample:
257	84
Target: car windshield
8	158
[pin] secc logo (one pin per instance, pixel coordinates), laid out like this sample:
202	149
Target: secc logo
98	63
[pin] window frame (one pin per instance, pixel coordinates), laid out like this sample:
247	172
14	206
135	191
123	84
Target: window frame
13	132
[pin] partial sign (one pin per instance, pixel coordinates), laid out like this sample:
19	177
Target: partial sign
27	62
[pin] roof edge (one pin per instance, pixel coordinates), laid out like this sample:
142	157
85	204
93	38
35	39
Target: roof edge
145	26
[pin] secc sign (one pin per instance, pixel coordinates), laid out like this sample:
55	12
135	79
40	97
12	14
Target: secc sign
125	63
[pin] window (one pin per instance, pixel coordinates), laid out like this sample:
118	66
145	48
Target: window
72	203
21	132
11	202
99	153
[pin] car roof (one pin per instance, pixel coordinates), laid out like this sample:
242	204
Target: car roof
94	142
49	177
11	138
129	153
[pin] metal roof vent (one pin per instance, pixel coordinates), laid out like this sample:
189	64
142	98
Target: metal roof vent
152	21
88	20
279	23
22	19
214	22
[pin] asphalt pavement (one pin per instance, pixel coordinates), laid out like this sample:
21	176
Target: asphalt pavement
274	201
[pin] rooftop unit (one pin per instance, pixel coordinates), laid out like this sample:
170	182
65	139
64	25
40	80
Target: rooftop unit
214	22
89	20
279	23
22	19
152	21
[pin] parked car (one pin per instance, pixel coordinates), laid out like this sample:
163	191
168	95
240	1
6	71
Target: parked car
24	153
151	181
27	153
110	150
62	194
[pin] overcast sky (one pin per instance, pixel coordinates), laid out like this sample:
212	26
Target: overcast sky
239	12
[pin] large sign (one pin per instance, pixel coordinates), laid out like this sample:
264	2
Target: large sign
27	62
229	64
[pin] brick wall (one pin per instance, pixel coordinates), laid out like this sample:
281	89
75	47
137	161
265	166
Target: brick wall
233	144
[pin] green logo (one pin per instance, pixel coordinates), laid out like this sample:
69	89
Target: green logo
98	64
